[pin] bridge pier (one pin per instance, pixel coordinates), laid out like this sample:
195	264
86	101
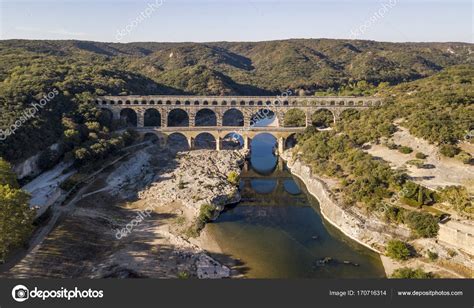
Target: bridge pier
190	143
219	119
309	121
192	119
281	145
336	113
218	143
247	142
164	118
140	119
163	141
281	165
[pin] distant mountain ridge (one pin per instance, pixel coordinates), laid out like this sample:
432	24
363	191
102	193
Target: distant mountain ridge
258	67
82	70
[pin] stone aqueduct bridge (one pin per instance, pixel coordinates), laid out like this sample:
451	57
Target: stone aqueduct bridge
137	110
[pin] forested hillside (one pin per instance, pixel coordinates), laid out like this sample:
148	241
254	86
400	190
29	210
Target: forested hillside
439	108
79	70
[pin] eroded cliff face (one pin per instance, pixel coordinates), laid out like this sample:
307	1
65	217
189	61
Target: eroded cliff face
368	231
29	167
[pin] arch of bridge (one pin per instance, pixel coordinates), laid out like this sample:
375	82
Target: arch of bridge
248	106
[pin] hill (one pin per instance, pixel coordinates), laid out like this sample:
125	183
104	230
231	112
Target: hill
78	70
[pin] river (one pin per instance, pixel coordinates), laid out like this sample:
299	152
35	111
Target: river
277	231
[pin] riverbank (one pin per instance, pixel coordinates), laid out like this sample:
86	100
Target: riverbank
372	232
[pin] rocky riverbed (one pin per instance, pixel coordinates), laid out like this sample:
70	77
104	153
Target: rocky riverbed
132	220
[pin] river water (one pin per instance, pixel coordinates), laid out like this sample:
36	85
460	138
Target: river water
276	231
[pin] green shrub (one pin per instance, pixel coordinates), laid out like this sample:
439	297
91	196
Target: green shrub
183	275
394	214
16	217
295	118
393	146
398	250
408	273
420	155
422	224
432	255
417	195
233	178
456	196
465	157
206	213
449	150
405	150
452	253
322	118
416	162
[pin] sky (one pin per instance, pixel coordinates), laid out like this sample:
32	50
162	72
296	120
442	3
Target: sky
237	20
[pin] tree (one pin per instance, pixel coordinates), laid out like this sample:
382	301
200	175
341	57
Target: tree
72	137
456	196
7	176
322	118
449	150
398	250
16	217
422	224
295	118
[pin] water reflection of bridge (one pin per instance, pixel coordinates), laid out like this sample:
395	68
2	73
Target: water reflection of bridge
269	189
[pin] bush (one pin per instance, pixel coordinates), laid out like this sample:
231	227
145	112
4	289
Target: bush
206	213
416	162
233	178
398	250
417	195
456	196
452	253
393	146
449	150
408	273
422	224
432	255
465	157
322	118
394	214
405	150
16	217
420	155
183	275
295	118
